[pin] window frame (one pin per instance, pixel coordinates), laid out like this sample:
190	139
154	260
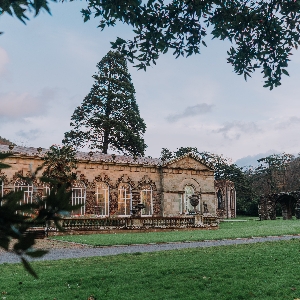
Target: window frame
79	186
186	202
122	189
21	185
147	189
45	192
99	186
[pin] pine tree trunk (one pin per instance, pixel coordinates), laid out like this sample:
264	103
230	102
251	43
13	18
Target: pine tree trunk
107	114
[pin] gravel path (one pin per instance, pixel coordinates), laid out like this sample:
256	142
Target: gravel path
63	250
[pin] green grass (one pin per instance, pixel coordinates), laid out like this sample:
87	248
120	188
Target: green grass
248	218
256	271
228	230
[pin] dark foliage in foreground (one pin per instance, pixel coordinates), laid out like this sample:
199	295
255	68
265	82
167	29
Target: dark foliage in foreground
263	33
17	217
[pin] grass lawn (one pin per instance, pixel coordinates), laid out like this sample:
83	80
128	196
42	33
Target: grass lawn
227	230
248	218
256	271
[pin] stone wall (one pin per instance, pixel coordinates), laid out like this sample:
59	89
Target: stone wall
166	179
226	199
114	174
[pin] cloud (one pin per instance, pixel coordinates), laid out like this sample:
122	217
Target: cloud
32	134
191	111
291	121
19	106
234	130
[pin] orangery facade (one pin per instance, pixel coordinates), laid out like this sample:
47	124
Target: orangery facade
112	185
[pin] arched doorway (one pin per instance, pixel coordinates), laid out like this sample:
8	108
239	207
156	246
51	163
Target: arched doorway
220	199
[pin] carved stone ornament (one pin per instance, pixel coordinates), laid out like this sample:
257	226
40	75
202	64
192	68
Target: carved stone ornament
194	200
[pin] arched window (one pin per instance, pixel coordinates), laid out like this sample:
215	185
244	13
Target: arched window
188	191
220	199
102	199
27	189
78	197
146	199
124	199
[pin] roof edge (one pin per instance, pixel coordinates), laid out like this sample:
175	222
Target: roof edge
192	155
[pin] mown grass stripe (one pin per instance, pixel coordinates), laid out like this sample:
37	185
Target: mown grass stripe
255	271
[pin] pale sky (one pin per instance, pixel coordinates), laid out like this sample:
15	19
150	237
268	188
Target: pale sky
46	70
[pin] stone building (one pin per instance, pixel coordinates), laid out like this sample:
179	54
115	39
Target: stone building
226	199
111	185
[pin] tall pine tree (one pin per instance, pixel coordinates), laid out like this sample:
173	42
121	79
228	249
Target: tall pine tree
109	116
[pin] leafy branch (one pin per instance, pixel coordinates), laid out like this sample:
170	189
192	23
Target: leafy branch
17	217
263	33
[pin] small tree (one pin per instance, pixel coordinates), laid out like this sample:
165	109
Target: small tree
16	218
109	117
272	172
59	163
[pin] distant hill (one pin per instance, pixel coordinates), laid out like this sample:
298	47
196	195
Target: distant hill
4	141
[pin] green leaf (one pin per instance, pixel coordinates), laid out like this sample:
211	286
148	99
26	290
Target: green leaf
28	267
4	166
36	253
285	72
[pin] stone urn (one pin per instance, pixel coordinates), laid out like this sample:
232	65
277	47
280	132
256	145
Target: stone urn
194	201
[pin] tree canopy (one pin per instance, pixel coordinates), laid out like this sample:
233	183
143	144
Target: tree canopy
276	173
109	116
263	33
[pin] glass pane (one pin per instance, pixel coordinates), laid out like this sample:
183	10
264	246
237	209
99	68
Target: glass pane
27	189
124	200
146	199
46	191
189	191
78	197
127	212
27	197
102	200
